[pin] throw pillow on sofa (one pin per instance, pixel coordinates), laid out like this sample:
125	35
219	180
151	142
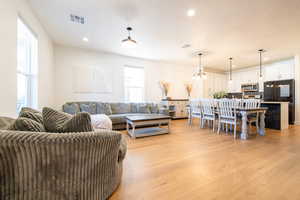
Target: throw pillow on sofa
144	109
90	108
59	122
31	114
154	108
103	108
71	108
120	108
26	124
27	109
54	120
81	122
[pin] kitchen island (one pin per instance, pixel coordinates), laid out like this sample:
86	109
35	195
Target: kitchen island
277	115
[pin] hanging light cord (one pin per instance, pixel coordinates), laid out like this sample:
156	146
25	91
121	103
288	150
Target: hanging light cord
200	64
129	29
260	64
230	70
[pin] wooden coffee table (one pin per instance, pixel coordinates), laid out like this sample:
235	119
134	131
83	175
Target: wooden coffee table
155	121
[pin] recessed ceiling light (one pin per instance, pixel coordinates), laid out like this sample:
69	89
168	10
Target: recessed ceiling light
85	39
191	12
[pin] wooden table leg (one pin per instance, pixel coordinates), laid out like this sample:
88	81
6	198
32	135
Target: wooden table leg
262	123
133	131
244	134
190	117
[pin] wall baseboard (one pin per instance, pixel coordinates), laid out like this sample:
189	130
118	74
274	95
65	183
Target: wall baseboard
297	123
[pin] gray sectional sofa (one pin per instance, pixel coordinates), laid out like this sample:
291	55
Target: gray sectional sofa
117	112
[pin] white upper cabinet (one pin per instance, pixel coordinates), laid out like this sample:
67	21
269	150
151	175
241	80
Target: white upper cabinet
279	70
275	71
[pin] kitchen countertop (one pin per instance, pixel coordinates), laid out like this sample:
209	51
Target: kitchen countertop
275	102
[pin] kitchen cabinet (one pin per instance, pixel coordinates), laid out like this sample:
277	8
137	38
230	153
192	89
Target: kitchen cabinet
277	115
281	70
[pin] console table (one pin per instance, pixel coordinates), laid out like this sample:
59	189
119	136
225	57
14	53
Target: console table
177	107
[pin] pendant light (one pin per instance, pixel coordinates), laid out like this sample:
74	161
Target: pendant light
260	51
230	70
129	42
200	74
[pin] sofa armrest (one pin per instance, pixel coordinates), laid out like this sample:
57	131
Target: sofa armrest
122	149
59	165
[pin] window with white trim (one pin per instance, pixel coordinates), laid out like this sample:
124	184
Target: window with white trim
27	61
134	84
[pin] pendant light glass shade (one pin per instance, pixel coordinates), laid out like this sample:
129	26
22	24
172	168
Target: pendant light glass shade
260	51
200	74
129	42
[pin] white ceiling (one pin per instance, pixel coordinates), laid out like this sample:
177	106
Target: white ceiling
223	28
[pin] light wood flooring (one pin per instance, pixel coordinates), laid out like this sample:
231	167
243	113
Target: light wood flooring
193	163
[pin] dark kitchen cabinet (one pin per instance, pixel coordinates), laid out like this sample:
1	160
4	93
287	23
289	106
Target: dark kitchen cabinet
272	116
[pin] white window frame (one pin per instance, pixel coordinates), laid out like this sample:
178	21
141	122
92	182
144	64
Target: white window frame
125	86
32	74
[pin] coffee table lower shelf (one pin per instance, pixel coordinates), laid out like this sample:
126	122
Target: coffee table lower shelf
144	132
157	126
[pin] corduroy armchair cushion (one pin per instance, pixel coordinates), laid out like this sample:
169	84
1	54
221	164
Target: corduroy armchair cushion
60	122
54	120
38	117
70	166
26	124
81	122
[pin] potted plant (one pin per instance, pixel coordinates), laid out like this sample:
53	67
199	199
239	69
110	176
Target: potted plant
219	95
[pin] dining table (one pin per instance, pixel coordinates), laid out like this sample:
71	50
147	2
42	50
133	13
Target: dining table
245	112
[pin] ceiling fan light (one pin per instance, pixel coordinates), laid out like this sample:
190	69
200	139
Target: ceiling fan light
129	43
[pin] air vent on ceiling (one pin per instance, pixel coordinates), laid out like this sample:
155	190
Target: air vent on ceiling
77	19
186	46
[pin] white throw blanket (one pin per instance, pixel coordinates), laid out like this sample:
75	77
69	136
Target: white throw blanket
101	121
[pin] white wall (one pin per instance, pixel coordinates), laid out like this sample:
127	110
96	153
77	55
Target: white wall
10	9
215	82
297	86
67	58
280	70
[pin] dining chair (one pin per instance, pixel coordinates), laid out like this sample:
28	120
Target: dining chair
196	111
227	114
208	112
254	117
